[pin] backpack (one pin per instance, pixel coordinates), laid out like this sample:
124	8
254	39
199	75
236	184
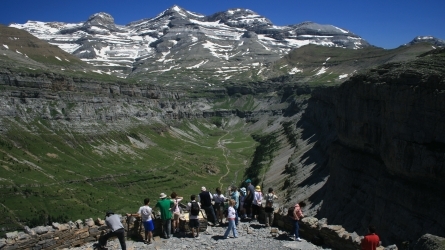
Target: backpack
290	211
194	209
269	200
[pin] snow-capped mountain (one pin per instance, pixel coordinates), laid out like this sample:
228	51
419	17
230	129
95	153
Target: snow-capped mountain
178	41
428	39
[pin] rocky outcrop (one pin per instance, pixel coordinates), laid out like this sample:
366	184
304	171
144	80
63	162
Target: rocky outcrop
384	144
429	242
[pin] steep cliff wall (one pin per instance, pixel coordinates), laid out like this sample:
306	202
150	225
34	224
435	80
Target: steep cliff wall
386	150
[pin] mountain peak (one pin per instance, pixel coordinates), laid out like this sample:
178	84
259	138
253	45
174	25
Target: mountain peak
428	39
101	17
175	8
241	18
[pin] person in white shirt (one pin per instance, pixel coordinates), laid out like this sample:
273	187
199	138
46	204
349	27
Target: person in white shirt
145	212
256	204
231	214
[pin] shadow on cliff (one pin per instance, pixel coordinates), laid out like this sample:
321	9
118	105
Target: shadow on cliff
318	136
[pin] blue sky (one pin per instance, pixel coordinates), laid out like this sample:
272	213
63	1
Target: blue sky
386	24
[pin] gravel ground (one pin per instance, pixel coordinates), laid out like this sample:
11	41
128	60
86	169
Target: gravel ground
251	236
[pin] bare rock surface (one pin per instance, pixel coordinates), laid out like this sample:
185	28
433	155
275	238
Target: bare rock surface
259	238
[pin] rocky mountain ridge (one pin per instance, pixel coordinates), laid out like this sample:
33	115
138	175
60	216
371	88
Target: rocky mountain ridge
177	40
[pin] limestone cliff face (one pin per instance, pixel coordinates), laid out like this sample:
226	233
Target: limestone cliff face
384	135
62	98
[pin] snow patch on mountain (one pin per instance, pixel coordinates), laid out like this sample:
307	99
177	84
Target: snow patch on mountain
239	37
295	70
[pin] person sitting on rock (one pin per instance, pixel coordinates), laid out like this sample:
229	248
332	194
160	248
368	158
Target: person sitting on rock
116	229
145	212
371	241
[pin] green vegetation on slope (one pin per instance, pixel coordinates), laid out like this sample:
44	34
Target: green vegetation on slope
55	174
263	156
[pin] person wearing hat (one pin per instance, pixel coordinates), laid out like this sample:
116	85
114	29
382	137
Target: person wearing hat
257	202
116	229
205	197
164	206
249	198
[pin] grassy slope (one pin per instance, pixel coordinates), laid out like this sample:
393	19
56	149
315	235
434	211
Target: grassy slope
67	176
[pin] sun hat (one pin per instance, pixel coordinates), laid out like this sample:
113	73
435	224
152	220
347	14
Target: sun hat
257	188
162	196
248	181
203	189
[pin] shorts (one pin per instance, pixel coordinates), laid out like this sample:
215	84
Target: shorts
149	226
256	209
217	206
194	223
269	209
176	216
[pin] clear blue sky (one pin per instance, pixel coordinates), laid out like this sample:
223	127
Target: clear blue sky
383	23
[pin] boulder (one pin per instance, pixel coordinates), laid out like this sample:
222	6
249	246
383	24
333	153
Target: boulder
429	242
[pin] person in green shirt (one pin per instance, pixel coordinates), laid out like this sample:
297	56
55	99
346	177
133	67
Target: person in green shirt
164	206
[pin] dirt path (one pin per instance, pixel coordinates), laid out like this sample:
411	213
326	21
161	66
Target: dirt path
226	152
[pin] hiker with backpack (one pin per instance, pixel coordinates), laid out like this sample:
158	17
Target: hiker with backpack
176	211
295	214
193	207
257	202
146	212
269	209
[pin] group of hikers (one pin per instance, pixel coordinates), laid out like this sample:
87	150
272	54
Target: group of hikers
243	203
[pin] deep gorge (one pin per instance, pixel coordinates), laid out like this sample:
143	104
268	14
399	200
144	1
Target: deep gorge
370	151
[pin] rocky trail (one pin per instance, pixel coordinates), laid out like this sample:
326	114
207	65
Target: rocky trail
251	236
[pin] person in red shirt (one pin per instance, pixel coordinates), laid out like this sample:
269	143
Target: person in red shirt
371	241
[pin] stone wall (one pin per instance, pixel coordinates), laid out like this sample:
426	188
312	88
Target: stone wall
73	234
